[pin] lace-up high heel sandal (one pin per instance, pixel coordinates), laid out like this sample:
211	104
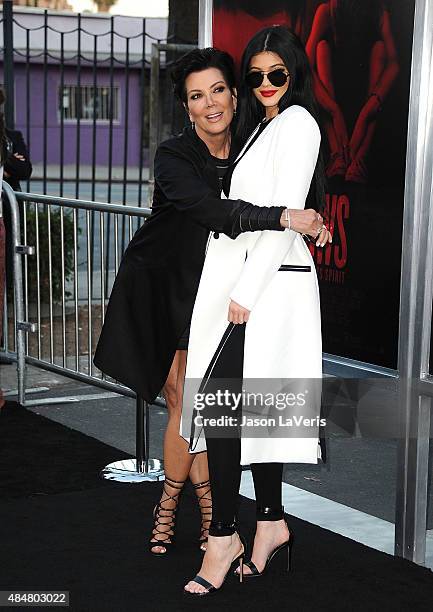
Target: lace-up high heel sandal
164	514
221	529
271	514
205	502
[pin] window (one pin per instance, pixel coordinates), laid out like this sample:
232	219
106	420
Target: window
82	102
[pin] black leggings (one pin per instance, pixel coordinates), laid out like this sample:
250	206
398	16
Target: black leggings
224	451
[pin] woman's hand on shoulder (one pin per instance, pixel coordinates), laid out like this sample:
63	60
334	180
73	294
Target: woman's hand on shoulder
237	313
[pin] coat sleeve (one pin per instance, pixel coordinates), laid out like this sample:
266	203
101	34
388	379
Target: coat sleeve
19	169
295	156
182	185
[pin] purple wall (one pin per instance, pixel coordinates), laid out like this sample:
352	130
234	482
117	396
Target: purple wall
36	136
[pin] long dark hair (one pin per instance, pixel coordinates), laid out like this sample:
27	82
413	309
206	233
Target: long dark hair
288	46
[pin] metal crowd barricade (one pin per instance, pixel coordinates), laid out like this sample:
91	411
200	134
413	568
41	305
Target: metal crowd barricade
62	271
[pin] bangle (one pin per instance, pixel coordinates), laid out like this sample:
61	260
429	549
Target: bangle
287	217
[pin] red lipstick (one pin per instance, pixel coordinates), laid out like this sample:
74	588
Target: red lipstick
267	93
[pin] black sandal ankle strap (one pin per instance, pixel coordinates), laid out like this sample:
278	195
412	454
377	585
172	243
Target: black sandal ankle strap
220	528
264	513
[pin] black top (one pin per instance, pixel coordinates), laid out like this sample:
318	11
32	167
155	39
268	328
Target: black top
221	167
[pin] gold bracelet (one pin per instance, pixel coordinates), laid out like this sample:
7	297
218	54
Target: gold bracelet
287	217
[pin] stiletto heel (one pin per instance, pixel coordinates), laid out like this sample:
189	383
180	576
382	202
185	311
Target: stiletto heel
210	588
272	514
165	519
206	511
289	551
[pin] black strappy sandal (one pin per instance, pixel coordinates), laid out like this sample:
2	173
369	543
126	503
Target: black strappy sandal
225	529
165	519
271	514
206	511
285	546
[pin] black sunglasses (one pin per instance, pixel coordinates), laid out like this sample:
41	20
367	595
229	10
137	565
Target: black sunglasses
277	78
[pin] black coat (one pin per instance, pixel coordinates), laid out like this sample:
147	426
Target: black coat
18	169
156	285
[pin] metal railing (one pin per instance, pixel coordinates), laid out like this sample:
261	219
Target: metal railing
52	318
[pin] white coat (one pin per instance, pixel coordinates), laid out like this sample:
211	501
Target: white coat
283	334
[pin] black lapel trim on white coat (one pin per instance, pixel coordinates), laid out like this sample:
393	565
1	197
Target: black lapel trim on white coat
294	268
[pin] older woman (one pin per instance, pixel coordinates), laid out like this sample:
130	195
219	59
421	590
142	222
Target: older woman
145	335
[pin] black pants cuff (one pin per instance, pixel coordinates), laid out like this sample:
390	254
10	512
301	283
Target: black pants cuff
269	514
220	529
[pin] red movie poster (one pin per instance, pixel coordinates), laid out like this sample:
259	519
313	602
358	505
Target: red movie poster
360	54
